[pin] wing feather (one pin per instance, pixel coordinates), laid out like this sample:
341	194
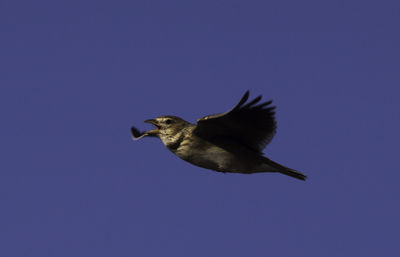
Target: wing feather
247	123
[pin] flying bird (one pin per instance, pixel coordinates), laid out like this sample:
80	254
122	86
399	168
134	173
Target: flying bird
227	142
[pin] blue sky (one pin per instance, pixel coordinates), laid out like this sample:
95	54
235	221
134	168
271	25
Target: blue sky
75	75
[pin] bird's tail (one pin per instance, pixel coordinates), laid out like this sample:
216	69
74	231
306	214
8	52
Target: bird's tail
285	170
293	173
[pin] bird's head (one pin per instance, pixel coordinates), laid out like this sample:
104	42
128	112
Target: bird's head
166	126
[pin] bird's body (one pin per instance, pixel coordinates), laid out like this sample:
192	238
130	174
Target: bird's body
227	142
200	152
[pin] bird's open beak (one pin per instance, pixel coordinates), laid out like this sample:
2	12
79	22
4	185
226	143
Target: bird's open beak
153	132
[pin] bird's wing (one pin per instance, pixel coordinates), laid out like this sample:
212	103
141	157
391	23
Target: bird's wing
249	123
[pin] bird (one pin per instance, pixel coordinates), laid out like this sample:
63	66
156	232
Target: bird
228	142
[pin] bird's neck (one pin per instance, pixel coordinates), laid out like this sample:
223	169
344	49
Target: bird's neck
174	142
173	139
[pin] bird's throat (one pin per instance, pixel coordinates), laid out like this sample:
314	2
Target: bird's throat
173	142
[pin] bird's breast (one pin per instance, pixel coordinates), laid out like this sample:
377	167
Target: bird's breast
205	154
202	153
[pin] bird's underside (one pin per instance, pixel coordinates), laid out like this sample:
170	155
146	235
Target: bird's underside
228	142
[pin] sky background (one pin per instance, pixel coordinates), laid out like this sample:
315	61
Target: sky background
75	75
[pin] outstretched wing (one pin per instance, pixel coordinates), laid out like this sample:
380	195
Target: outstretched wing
251	124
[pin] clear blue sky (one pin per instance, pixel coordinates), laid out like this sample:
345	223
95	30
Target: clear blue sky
75	75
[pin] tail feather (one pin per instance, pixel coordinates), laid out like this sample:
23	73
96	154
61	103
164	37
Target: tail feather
285	170
293	173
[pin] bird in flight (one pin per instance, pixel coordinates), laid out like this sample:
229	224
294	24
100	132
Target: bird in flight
227	142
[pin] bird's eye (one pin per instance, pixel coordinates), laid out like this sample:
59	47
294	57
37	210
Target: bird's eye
168	121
